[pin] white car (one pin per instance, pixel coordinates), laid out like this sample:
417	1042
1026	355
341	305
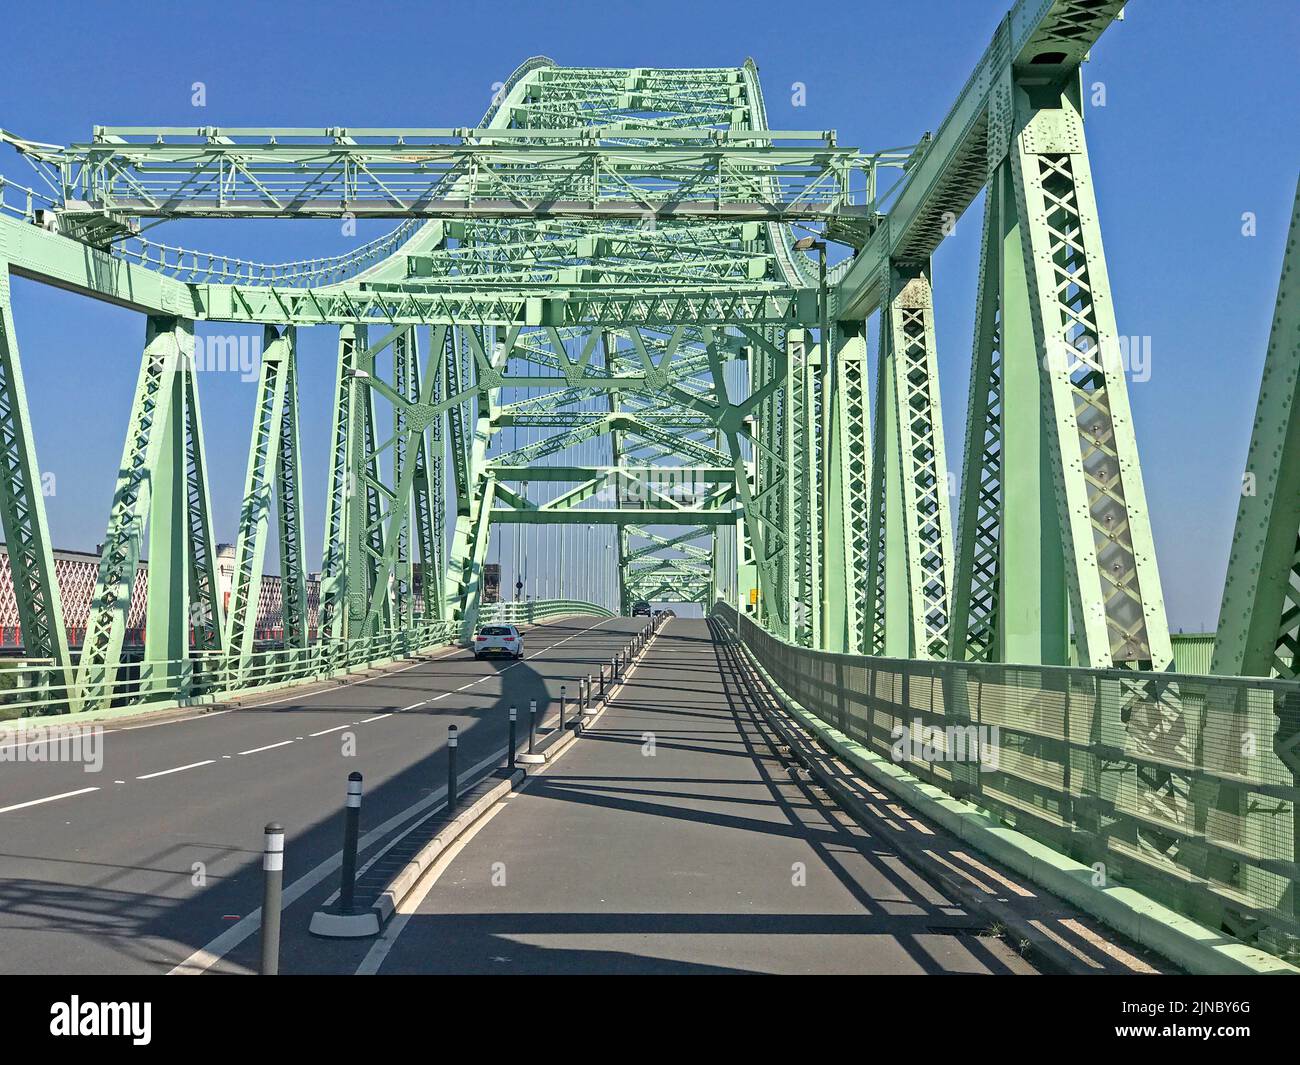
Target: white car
499	640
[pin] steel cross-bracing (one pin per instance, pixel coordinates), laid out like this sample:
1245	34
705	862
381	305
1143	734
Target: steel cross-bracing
620	301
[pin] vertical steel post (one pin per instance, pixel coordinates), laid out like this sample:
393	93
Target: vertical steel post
272	881
351	833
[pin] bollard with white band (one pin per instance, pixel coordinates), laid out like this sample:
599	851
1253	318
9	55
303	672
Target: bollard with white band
272	882
452	737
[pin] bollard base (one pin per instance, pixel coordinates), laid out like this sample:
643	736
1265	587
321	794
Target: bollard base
344	925
531	759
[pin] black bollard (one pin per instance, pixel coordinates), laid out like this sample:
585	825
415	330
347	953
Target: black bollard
532	724
351	829
510	752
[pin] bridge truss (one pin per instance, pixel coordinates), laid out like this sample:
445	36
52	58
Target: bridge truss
630	264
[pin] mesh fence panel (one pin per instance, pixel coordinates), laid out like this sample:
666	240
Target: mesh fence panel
1182	786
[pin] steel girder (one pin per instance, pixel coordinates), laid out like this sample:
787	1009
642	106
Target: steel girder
848	478
609	172
1259	620
22	505
628	313
1114	585
910	537
1010	591
161	487
1053	505
274	469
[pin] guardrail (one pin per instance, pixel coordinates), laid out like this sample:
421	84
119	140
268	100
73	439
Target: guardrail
1184	787
39	688
539	610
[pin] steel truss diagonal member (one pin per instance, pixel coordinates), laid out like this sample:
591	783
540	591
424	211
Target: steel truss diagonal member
161	484
273	468
22	506
909	576
1118	608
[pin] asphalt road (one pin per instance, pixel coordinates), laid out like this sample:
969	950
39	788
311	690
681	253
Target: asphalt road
703	857
161	858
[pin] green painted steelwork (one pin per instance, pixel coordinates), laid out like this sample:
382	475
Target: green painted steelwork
1068	756
596	314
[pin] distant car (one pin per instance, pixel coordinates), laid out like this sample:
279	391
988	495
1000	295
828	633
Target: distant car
668	613
499	640
641	609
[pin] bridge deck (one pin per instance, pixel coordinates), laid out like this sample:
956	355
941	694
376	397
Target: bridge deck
684	861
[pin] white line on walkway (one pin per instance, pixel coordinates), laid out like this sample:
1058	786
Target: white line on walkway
48	798
178	769
268	747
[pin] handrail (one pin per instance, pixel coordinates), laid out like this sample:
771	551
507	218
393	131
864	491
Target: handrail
539	609
1181	786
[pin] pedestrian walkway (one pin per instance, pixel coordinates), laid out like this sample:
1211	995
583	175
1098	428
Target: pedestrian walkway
673	839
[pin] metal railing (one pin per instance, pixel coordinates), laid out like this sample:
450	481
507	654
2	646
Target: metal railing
36	688
1183	787
539	610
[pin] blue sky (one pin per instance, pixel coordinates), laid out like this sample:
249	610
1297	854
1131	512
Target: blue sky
1199	126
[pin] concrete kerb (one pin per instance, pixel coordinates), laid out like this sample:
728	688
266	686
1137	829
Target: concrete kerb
371	922
1195	948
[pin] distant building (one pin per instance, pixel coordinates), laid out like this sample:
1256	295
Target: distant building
492	583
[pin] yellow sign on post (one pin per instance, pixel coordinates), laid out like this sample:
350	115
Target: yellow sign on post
753	597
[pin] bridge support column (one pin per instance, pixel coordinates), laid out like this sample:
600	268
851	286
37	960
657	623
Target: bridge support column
156	478
22	507
909	576
1110	566
273	470
1009	592
1259	622
847	465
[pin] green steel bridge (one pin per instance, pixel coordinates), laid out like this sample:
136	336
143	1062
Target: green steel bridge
631	264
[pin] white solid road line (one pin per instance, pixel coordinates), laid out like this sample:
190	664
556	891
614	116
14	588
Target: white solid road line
176	721
268	747
377	717
178	769
48	798
207	956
